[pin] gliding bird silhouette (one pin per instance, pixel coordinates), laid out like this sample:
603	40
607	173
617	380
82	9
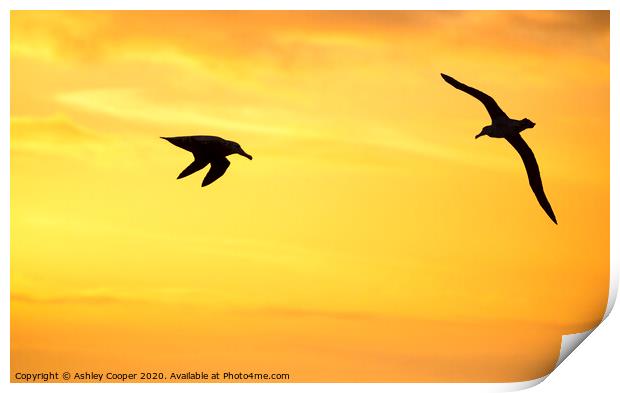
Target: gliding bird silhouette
504	127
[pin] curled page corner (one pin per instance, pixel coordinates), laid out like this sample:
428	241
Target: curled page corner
570	342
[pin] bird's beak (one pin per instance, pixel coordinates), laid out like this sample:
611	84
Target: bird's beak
479	135
246	155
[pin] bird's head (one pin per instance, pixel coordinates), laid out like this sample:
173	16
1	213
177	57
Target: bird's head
235	148
485	131
527	123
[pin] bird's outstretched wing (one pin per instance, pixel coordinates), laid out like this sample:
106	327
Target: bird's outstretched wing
195	166
494	110
533	173
218	168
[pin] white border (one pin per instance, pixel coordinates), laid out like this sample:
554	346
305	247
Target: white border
7	5
614	160
310	4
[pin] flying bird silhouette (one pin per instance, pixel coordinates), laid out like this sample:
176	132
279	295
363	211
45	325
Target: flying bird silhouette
207	150
504	127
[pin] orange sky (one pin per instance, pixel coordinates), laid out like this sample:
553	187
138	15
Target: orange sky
371	238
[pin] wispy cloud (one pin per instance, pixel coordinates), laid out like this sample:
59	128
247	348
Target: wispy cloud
112	296
86	34
56	133
310	313
134	105
99	299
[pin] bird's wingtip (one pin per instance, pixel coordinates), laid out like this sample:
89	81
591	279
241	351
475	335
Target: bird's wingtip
552	217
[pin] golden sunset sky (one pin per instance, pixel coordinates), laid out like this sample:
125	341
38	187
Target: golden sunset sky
372	238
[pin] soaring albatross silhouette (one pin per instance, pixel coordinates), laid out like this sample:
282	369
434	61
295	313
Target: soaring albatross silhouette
504	127
207	150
